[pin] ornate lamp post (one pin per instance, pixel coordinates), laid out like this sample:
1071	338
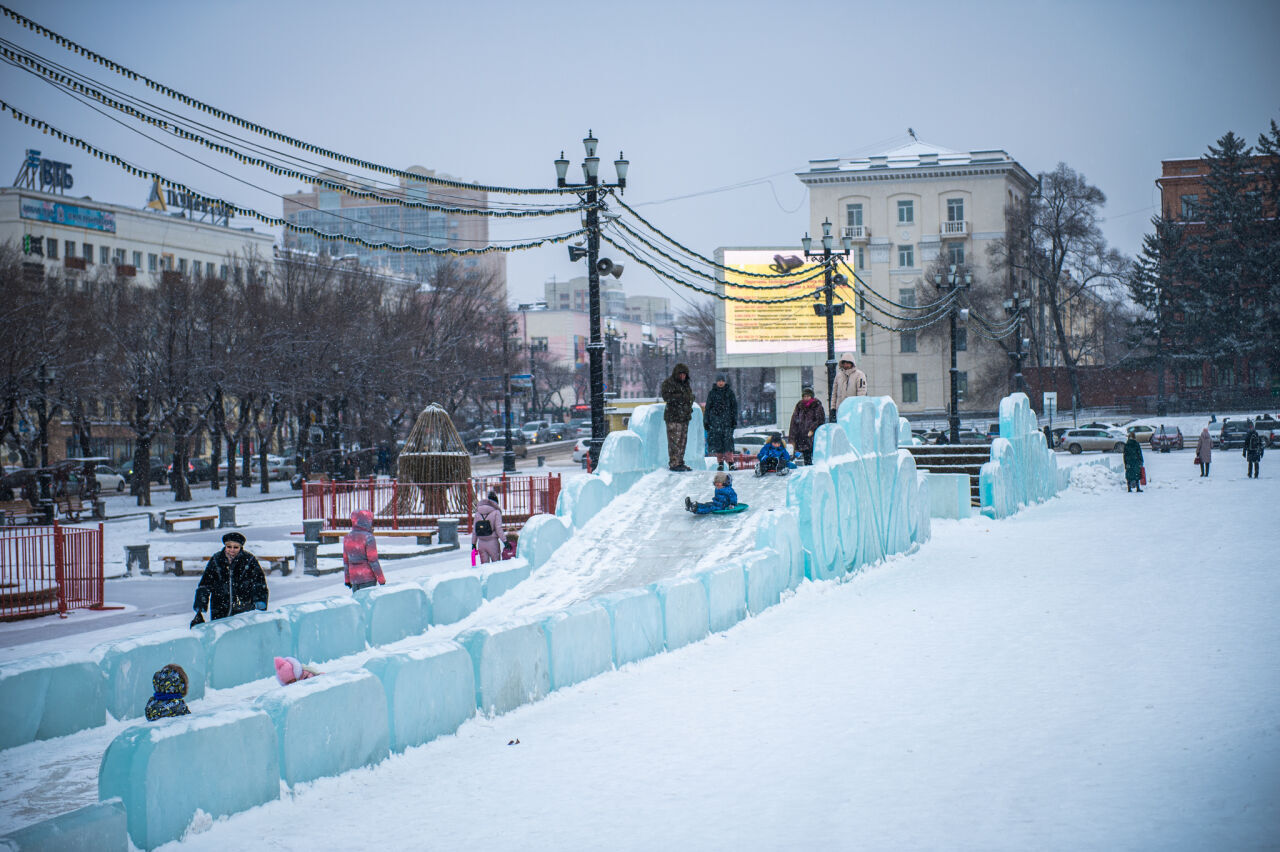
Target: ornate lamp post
1016	307
830	282
44	376
595	268
955	278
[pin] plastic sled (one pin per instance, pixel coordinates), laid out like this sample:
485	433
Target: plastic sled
732	510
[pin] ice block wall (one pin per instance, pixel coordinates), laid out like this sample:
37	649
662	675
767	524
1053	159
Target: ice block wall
1023	470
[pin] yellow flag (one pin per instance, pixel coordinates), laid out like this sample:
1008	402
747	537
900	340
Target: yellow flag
155	200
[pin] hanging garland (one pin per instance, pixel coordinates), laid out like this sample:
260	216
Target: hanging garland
248	159
272	221
193	103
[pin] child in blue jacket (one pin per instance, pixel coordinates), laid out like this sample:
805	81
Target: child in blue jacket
773	456
724	498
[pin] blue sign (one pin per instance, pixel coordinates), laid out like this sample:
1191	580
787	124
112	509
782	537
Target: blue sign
71	215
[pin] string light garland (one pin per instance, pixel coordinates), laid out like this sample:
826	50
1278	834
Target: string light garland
273	221
197	104
867	288
282	171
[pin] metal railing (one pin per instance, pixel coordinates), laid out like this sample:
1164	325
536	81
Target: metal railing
416	505
955	228
48	569
856	232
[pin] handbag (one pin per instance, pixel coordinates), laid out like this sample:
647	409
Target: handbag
1142	475
1197	461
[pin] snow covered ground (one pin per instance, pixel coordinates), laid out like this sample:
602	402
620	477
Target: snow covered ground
1095	672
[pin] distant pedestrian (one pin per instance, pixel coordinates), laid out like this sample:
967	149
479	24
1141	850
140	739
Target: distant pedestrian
486	532
850	381
360	566
232	582
720	416
170	685
1204	451
1253	450
1133	464
1048	436
805	419
677	393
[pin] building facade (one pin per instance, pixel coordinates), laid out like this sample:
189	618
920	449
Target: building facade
332	211
908	210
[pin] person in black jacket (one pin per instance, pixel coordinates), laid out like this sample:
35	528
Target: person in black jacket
232	583
1253	450
678	395
720	417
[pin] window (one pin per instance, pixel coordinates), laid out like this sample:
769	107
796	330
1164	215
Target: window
51	249
1226	375
955	209
906	212
1194	378
119	258
907	340
955	254
104	255
910	390
153	263
208	270
69	248
907	297
853	215
860	257
222	272
1190	207
182	266
906	257
137	260
962	339
87	252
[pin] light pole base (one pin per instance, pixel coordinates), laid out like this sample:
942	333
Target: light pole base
509	462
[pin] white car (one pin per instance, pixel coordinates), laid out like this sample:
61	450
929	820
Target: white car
580	450
108	479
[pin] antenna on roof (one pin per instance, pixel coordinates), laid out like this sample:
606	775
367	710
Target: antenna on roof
911	132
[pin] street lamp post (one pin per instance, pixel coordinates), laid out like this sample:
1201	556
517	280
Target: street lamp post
595	268
611	338
830	282
44	376
508	454
955	278
1016	307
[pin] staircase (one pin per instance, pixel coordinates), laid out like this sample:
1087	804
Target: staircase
954	458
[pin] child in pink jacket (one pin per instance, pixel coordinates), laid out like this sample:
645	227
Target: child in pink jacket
361	568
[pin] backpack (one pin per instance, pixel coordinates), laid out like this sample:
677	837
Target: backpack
483	527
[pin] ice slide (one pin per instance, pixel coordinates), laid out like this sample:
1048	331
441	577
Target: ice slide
621	572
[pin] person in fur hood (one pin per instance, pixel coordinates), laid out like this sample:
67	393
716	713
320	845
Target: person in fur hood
677	393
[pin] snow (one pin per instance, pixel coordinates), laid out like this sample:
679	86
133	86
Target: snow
1094	671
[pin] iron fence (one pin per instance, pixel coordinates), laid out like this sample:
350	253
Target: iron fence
48	569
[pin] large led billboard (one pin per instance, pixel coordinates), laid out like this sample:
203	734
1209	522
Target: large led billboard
786	327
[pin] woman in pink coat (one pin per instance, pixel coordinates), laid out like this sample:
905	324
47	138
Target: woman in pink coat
486	532
1204	451
361	567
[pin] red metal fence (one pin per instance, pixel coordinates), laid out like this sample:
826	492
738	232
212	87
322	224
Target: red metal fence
414	505
48	569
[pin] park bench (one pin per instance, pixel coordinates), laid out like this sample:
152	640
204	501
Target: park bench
423	536
173	564
19	511
71	507
205	521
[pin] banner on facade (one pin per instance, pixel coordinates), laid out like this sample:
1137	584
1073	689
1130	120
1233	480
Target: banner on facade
758	328
71	215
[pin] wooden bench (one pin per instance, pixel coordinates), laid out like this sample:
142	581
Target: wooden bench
205	521
71	507
19	511
173	564
423	536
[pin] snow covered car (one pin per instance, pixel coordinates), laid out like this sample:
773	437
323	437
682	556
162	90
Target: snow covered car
1166	438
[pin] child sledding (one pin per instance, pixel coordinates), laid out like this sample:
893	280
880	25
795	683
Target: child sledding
773	457
724	502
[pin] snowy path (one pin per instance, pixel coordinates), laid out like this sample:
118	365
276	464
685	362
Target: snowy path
1094	673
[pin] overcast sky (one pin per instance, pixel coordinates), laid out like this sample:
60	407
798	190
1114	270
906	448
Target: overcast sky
701	96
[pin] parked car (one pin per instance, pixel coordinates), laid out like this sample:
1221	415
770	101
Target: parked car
1269	429
497	445
1233	432
1076	441
477	446
198	470
1141	433
1166	438
967	436
108	479
159	471
1215	434
580	450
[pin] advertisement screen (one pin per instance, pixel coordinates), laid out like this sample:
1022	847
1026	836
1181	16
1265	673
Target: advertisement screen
786	327
68	214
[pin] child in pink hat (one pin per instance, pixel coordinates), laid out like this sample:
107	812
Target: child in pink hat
289	670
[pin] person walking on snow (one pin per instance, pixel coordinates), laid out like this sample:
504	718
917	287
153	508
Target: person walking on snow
1204	451
725	497
361	568
1252	451
486	532
232	582
1132	464
805	419
850	381
720	415
677	393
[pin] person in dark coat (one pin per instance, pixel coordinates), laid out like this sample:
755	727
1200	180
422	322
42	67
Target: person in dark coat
677	393
805	419
1048	436
1133	464
170	685
720	417
232	582
1252	451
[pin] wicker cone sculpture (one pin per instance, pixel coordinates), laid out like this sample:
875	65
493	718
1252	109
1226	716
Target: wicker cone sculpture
434	469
